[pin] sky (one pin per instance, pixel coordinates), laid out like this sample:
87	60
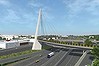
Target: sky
65	17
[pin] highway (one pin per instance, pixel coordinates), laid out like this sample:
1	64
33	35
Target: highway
89	59
32	61
56	60
14	50
63	56
22	56
71	58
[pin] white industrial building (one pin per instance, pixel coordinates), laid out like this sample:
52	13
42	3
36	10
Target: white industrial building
9	44
12	44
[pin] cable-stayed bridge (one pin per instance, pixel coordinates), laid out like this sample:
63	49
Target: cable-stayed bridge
63	55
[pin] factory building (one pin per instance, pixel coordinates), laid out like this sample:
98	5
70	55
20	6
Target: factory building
12	44
9	44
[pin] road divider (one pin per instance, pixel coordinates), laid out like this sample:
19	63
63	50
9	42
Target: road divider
81	58
63	57
45	64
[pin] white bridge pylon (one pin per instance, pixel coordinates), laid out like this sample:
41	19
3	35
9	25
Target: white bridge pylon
36	44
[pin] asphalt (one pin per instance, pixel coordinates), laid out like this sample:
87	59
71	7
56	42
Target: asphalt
87	60
71	58
67	56
15	50
54	60
64	45
32	61
11	59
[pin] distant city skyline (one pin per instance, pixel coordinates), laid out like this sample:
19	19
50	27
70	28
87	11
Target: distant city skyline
68	17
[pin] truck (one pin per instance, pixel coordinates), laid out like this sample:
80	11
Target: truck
50	54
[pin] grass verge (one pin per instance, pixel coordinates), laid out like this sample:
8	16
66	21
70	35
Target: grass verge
17	54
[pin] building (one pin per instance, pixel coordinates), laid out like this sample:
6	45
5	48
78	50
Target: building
9	44
13	43
9	37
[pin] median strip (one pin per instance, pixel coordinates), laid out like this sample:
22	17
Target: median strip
9	62
45	64
17	54
81	58
63	57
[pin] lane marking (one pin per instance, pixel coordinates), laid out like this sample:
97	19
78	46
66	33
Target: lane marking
81	58
63	57
69	60
34	61
45	64
37	55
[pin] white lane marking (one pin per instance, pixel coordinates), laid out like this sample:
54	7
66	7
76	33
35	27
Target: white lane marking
69	60
63	56
34	61
45	64
81	58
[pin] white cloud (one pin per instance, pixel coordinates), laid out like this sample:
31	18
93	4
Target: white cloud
35	4
12	14
76	6
46	11
4	2
89	10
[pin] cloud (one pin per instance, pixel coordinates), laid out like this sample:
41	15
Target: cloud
18	17
82	11
77	6
4	2
46	11
37	5
12	15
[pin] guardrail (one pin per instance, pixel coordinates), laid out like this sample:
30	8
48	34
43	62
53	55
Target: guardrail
81	58
63	57
88	48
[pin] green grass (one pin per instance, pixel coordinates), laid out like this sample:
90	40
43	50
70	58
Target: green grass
84	45
8	63
45	47
17	54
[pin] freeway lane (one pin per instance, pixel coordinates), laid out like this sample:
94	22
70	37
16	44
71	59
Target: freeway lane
31	61
87	60
42	60
25	47
57	60
72	58
14	50
54	60
22	56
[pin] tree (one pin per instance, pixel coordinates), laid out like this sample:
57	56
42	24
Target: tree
88	42
4	38
96	62
0	38
95	52
96	37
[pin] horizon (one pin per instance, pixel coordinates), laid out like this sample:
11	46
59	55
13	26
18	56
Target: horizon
67	16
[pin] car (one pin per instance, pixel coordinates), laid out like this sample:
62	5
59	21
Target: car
50	55
37	61
40	55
